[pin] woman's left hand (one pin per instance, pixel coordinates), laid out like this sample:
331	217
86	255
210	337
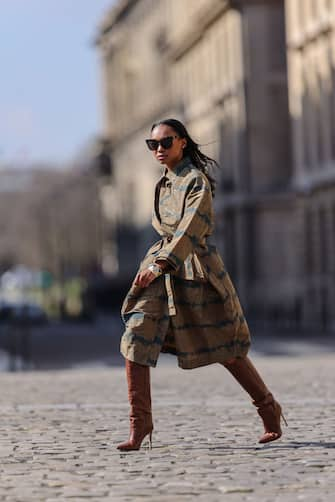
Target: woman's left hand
144	278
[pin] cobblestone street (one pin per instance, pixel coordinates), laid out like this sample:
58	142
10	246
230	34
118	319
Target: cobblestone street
59	431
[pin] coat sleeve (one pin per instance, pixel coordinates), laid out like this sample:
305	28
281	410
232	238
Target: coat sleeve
194	225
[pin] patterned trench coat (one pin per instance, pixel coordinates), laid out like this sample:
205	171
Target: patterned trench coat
193	310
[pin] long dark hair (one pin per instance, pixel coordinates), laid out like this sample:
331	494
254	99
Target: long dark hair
199	159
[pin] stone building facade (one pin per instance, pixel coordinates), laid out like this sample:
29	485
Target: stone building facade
221	67
311	63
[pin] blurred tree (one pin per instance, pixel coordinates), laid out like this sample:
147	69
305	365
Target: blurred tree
52	222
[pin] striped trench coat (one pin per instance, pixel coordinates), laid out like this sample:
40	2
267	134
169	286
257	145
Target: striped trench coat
193	310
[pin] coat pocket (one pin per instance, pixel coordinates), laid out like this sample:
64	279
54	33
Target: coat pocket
149	301
142	324
146	325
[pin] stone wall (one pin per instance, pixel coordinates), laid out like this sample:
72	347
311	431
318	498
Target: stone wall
254	83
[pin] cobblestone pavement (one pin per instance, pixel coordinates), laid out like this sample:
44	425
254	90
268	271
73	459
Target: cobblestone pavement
59	431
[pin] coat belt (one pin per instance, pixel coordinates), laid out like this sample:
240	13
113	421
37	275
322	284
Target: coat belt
169	292
168	282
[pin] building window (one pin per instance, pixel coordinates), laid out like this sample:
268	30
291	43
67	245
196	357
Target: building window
323	255
230	249
332	100
225	155
306	126
301	14
309	254
250	240
313	10
329	6
318	122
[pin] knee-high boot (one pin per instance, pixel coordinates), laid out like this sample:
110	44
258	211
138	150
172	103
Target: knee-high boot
139	395
267	407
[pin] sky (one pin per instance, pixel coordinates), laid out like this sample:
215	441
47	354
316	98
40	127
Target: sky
50	88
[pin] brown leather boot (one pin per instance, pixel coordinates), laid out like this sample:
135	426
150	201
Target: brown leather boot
268	409
138	379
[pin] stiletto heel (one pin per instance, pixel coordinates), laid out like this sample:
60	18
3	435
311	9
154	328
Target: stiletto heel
270	412
150	440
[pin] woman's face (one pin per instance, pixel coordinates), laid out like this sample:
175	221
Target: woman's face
169	156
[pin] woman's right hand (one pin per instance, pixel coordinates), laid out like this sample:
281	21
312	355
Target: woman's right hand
144	278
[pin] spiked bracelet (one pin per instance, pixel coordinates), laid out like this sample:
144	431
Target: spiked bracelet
155	269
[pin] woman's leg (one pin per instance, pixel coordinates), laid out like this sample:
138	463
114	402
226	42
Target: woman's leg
268	409
139	395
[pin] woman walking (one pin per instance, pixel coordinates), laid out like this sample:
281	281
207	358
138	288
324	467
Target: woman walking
182	300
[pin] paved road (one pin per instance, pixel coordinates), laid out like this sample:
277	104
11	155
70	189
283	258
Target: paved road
59	430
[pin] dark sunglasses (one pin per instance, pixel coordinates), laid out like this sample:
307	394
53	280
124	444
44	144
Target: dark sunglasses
165	143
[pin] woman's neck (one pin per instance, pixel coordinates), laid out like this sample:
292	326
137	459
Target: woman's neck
173	164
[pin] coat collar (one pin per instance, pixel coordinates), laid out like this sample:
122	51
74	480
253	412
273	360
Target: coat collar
184	164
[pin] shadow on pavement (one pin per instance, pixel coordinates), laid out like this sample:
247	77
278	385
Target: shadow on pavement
269	446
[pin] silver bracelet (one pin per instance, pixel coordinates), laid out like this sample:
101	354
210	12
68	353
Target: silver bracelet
155	269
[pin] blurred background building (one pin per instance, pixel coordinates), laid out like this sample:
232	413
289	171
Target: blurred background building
310	29
254	81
